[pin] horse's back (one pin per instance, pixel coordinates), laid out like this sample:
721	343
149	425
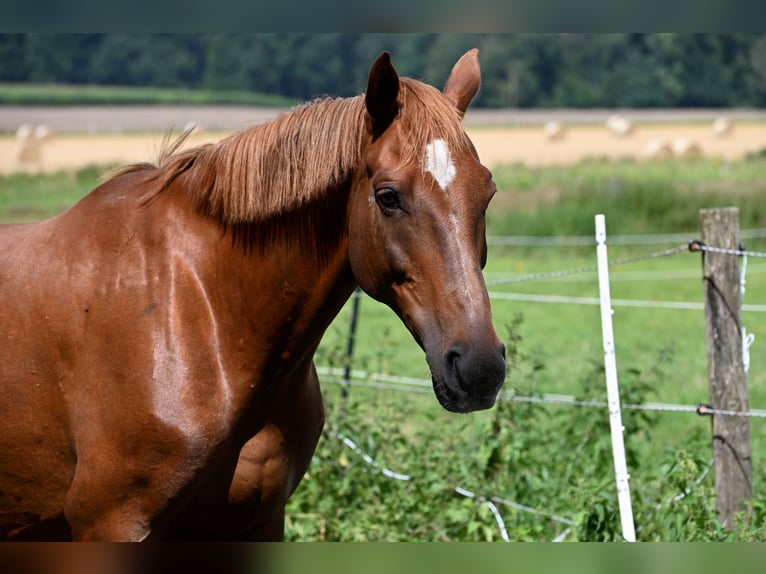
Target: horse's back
49	273
118	354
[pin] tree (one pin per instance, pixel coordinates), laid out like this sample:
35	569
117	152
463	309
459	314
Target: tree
527	70
149	60
12	56
60	57
758	64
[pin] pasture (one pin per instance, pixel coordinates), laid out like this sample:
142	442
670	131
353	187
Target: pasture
553	450
545	468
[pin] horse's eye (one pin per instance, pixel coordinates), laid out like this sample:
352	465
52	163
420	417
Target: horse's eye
387	199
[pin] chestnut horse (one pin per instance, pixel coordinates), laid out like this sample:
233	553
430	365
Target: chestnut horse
157	338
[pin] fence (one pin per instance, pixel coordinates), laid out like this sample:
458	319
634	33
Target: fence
348	377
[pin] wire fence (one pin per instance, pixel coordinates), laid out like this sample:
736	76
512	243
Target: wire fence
587	240
589	268
364	379
490	502
493	501
349	377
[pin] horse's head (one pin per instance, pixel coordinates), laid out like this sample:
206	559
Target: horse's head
417	231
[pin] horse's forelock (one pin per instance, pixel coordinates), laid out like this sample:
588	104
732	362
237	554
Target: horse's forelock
427	115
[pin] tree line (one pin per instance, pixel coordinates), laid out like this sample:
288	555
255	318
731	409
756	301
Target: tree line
518	70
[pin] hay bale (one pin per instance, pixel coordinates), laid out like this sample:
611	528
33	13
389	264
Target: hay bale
722	127
25	132
29	144
43	133
657	149
685	148
554	131
619	126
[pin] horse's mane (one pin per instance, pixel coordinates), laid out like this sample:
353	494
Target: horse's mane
279	166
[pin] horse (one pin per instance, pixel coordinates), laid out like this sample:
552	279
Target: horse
156	367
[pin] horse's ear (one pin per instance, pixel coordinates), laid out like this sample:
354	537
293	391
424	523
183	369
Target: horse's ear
464	80
382	91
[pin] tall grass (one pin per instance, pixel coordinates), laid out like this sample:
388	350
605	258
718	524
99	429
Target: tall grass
636	197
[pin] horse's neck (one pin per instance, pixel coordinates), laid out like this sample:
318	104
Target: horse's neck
297	270
285	278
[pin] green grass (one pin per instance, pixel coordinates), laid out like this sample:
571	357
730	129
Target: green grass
30	197
661	353
636	197
65	95
554	458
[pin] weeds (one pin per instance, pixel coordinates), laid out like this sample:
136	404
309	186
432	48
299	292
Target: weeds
553	459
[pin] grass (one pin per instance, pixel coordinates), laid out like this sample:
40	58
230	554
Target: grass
70	95
526	452
30	197
636	197
559	346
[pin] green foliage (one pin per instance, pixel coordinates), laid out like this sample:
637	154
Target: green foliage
554	459
636	197
519	70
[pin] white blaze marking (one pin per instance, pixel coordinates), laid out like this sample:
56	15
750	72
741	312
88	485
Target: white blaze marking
439	163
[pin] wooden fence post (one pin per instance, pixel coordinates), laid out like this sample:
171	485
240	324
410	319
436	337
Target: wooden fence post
726	373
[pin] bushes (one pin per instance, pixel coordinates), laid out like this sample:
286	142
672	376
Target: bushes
554	459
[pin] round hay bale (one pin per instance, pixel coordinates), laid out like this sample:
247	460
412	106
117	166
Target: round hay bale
657	149
28	151
29	144
24	132
554	131
722	127
619	126
43	133
684	148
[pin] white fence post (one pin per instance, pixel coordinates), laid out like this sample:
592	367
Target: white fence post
612	389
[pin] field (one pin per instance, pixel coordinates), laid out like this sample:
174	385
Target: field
544	467
107	134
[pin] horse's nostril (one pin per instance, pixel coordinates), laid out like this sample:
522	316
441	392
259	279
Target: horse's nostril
454	359
473	372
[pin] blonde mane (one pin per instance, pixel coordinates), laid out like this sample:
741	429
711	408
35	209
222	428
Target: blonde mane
285	164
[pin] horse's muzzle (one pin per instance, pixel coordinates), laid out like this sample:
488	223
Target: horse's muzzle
470	379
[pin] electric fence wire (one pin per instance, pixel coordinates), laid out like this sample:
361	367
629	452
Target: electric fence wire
587	240
414	385
493	501
588	268
693	245
411	384
490	502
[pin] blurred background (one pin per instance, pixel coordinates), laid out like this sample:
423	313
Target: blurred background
519	70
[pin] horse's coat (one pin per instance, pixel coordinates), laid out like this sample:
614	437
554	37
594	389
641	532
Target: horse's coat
156	374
